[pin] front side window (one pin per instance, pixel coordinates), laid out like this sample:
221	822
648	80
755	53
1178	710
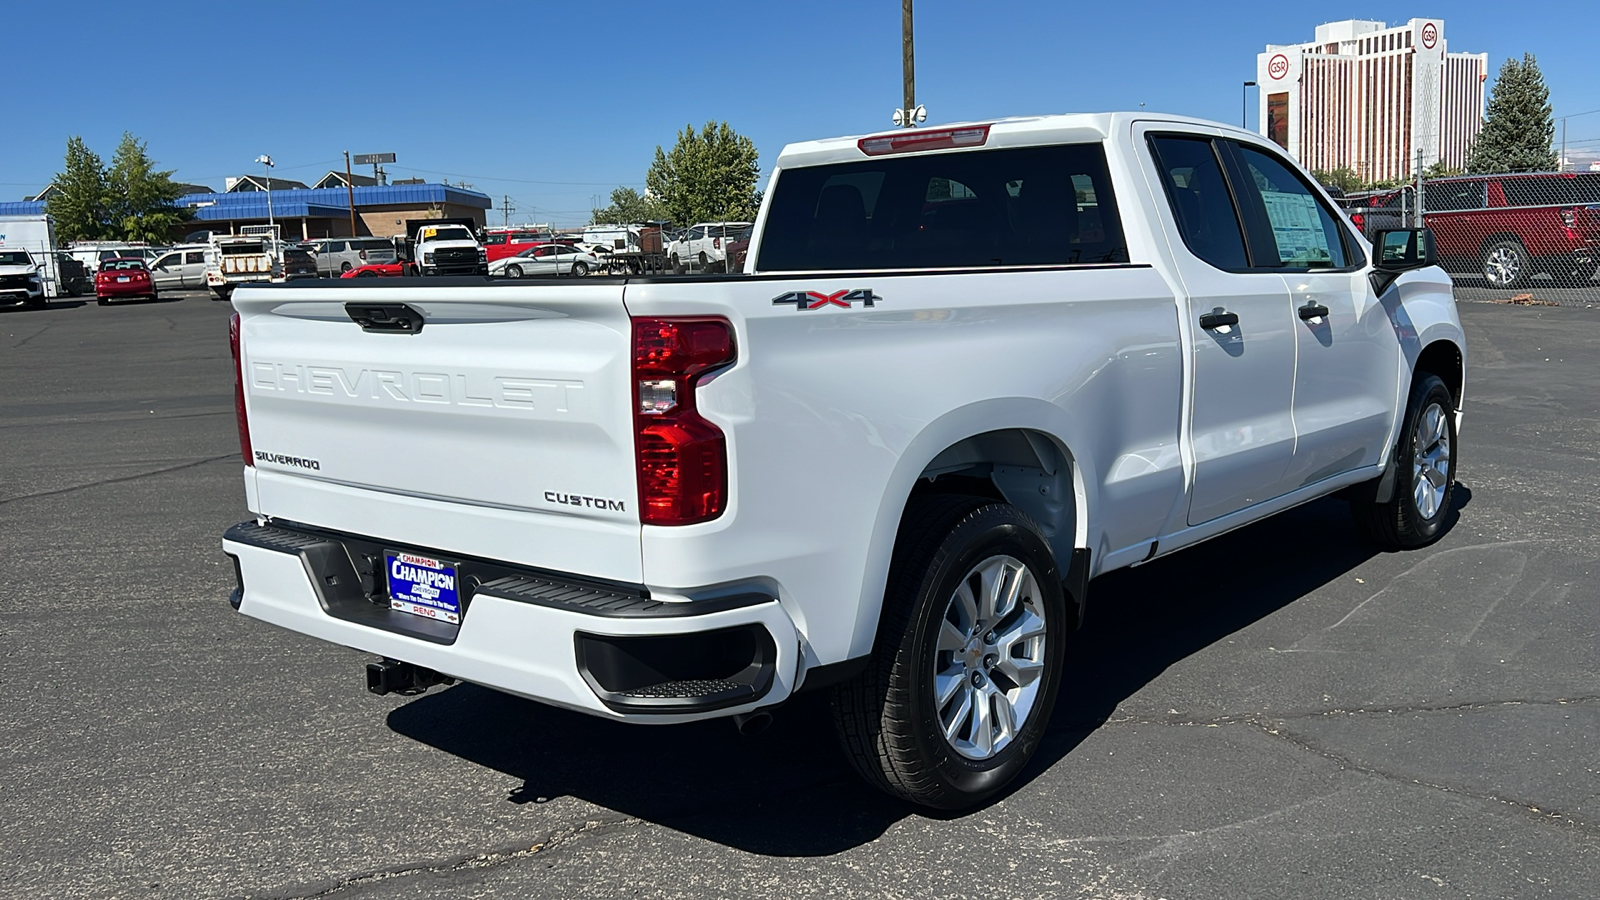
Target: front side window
1029	206
1303	233
1201	204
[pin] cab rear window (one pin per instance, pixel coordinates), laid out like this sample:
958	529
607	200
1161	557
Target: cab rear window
1029	206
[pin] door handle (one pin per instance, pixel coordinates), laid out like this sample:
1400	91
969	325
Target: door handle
1212	320
1313	311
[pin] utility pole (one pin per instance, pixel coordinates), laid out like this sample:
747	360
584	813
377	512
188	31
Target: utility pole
505	210
350	187
908	62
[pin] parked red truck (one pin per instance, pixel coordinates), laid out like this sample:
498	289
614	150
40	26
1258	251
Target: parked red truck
1505	228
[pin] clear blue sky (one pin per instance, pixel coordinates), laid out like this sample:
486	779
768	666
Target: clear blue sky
554	104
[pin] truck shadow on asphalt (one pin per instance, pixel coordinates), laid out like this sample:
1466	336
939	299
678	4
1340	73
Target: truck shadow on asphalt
789	791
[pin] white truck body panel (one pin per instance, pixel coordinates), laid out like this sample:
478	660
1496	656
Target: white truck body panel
36	235
1146	433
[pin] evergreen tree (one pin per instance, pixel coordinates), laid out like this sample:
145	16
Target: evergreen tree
709	175
628	208
79	203
142	199
1518	131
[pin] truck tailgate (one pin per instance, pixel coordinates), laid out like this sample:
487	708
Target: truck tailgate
507	416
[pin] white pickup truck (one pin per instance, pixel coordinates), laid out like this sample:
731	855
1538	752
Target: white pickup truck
970	368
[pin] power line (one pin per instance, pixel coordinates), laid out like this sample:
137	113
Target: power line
520	180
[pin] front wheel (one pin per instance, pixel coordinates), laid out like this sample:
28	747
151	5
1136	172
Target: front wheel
513	271
1424	476
1506	265
968	656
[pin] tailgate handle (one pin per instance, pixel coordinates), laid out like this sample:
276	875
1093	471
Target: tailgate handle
385	318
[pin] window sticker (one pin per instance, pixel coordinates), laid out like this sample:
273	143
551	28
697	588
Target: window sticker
1296	228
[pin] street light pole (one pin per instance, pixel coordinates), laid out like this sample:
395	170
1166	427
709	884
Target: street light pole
1244	104
266	164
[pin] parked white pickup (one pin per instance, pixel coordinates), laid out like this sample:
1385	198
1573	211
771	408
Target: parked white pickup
971	368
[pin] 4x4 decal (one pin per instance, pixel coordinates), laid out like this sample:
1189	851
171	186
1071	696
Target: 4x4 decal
804	300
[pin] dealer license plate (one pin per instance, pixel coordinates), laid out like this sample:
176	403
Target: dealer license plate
423	587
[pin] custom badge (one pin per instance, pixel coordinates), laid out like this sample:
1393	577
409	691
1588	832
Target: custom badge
804	300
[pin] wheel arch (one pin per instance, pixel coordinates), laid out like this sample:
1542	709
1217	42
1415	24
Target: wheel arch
1443	358
1031	444
1497	237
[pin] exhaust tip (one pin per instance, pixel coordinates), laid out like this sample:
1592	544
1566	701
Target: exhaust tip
752	723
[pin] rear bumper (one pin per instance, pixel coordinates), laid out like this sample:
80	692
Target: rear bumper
601	649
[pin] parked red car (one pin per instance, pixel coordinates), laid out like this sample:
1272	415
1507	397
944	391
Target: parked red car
377	270
122	277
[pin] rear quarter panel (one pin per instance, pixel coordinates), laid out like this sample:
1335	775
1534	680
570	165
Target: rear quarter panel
831	415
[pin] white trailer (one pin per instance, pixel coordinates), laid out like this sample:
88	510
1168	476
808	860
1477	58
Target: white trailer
35	234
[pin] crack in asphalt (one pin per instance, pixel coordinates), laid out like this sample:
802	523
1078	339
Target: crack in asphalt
1272	724
1258	719
1551	816
554	839
47	326
118	480
105	418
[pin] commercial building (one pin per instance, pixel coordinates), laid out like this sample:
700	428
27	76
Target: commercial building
1371	97
303	212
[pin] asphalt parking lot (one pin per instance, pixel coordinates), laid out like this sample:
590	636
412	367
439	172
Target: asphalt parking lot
1280	713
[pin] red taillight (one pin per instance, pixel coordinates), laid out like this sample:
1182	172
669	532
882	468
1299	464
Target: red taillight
939	139
1357	219
238	390
716	243
682	459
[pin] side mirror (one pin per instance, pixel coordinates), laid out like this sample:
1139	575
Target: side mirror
1399	250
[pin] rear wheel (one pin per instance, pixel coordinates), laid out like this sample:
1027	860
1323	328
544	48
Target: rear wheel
1424	476
580	268
677	266
366	275
100	301
1506	264
1574	271
967	661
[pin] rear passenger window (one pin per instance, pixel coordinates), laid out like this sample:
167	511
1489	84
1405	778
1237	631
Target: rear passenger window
1204	211
1029	206
195	257
1304	234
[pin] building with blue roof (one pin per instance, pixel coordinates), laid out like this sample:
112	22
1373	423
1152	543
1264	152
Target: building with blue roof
304	213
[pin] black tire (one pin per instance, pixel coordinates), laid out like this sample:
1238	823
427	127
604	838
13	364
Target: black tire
513	271
677	266
887	717
1573	272
1401	522
101	301
580	269
223	294
703	260
38	302
345	267
366	275
1506	265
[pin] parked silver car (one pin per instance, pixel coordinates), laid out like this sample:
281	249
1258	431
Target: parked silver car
180	267
336	256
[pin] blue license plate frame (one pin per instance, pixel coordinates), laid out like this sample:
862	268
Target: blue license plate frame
423	586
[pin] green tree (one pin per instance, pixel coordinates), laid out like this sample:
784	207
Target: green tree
1344	178
1440	169
1518	131
79	203
628	207
709	175
142	206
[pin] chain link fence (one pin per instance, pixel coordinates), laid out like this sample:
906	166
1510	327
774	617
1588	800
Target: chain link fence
1527	237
